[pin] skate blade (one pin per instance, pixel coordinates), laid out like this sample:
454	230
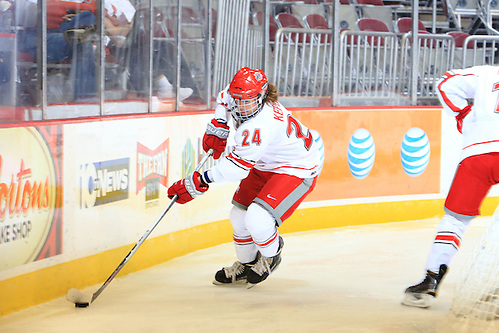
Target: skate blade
419	300
250	285
239	283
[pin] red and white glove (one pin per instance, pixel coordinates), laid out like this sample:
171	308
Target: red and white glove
216	137
188	188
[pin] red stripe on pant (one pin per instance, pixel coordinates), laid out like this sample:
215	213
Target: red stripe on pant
242	241
448	238
267	243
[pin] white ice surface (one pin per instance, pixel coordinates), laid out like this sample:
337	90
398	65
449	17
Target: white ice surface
336	280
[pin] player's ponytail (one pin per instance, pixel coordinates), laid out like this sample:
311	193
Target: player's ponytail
272	94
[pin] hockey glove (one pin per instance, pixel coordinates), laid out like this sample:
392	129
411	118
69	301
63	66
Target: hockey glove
459	118
188	188
216	137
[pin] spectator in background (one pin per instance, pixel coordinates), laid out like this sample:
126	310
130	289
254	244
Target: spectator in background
164	63
65	20
119	21
63	16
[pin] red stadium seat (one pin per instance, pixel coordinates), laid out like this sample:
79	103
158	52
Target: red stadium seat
367	24
460	37
404	25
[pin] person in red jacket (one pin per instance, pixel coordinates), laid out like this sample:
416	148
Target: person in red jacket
63	16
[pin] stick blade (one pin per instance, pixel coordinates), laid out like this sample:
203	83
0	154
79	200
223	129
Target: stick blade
77	297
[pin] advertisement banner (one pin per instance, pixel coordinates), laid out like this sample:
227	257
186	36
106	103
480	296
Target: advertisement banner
30	194
152	170
376	152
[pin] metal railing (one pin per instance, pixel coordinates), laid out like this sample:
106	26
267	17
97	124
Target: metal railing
476	51
368	65
435	57
375	68
230	42
302	61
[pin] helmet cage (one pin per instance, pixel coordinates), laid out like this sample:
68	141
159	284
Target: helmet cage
245	109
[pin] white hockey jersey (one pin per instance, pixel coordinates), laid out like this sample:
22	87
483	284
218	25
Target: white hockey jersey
274	141
481	125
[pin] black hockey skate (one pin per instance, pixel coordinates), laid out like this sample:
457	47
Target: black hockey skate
264	266
237	272
423	295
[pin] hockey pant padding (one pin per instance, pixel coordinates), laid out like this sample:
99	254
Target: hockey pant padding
263	229
246	249
447	241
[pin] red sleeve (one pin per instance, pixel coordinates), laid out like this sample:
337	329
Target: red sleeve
80	7
56	9
55	12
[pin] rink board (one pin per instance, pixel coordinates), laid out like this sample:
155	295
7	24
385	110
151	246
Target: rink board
75	196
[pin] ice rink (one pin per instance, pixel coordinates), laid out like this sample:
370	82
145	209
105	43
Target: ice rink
348	279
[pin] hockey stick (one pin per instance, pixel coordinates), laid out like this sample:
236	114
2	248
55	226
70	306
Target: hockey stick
82	300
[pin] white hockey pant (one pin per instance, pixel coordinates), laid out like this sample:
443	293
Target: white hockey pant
447	241
254	230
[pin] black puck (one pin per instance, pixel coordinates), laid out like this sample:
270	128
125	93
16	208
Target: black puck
81	305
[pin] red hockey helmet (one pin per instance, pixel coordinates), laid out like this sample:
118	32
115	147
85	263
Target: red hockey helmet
248	89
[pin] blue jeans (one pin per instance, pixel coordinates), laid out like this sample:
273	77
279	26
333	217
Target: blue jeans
81	55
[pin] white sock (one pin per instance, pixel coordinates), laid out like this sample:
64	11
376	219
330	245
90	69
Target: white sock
447	242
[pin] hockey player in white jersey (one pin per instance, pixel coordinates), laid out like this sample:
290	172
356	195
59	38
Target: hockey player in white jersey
476	173
276	158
